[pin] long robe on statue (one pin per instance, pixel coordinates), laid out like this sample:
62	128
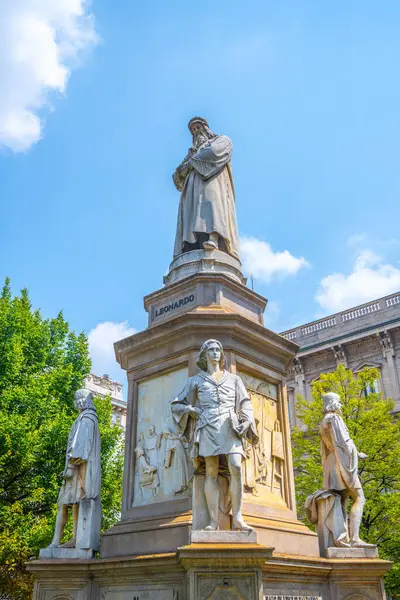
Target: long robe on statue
339	455
83	479
207	202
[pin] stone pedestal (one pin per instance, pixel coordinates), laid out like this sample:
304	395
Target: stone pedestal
217	571
156	551
207	571
159	361
353	553
223	537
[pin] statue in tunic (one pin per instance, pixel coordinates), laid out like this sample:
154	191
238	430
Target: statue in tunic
340	466
215	412
80	490
207	208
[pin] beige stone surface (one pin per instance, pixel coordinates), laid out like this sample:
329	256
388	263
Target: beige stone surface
205	290
259	356
223	537
366	552
161	449
204	261
208	566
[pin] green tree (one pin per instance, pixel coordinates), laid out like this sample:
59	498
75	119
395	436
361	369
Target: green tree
374	430
42	364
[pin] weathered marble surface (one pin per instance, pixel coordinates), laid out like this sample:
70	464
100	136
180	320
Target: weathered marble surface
263	468
81	487
327	507
207	209
223	537
162	465
204	261
215	414
366	552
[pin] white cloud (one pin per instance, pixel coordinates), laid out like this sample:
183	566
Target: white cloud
40	42
370	279
356	239
263	263
101	346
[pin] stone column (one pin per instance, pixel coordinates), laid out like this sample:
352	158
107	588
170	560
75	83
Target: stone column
388	353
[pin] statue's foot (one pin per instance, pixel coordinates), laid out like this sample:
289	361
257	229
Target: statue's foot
69	544
358	543
213	526
238	524
210	245
343	541
342	544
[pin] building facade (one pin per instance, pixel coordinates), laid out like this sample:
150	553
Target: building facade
366	335
104	386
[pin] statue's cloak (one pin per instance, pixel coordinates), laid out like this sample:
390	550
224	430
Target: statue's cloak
339	455
207	202
84	478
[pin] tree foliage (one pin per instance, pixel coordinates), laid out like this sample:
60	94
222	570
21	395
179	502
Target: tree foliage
42	364
374	430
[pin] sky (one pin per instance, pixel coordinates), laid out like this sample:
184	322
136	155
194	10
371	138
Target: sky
94	107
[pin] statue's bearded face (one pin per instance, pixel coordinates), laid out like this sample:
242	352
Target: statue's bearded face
79	403
213	354
199	134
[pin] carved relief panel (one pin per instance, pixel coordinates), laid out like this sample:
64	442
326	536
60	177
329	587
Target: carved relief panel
263	469
162	465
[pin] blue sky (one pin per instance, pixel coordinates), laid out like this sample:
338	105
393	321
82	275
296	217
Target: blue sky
93	121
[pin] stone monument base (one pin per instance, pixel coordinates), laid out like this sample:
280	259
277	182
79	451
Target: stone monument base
68	553
209	572
223	537
365	552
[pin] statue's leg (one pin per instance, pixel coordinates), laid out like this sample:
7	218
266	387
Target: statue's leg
75	515
235	469
356	513
61	521
345	502
211	490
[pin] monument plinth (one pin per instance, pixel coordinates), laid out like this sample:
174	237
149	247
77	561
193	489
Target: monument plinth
208	497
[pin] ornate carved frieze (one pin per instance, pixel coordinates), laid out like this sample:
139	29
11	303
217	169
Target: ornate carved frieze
162	466
263	469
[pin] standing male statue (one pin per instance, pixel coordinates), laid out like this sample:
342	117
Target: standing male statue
340	465
215	411
80	490
207	209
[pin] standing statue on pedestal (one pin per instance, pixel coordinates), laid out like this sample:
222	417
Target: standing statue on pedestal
341	481
80	490
207	209
215	412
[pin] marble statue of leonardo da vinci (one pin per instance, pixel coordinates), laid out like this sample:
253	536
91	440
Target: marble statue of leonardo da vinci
207	210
